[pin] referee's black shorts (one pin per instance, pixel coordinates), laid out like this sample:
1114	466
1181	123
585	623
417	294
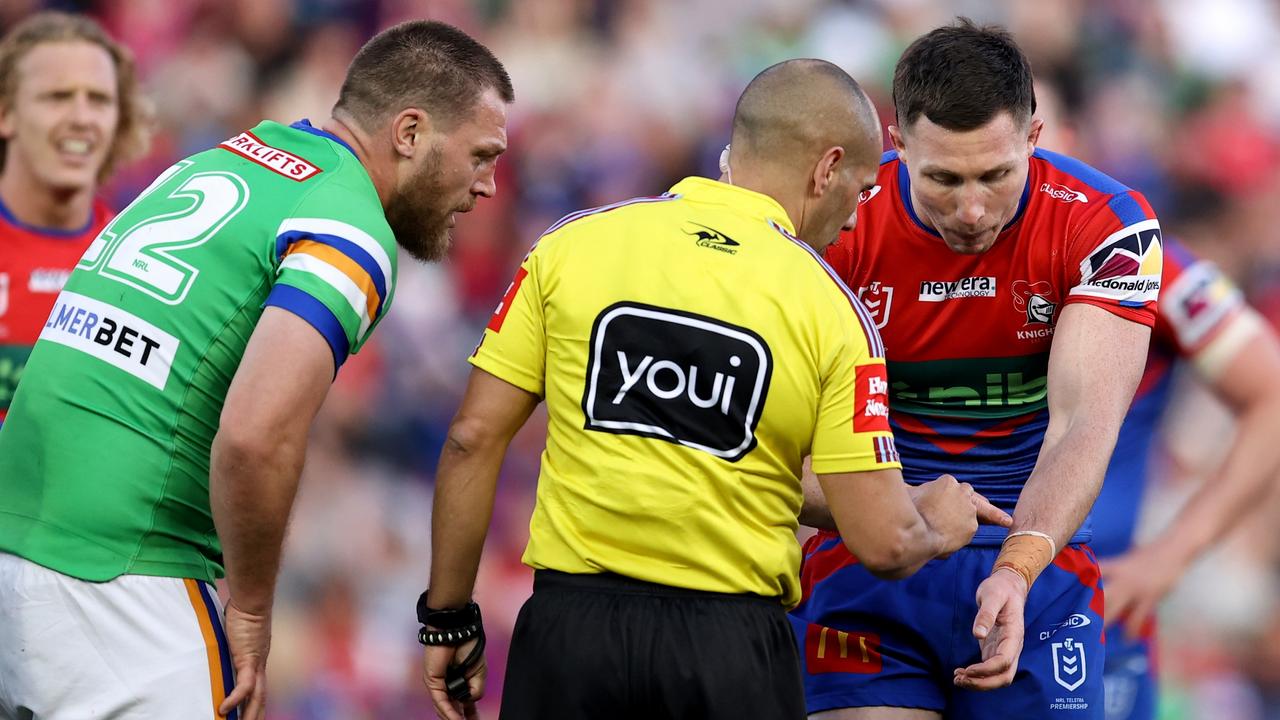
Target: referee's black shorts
613	648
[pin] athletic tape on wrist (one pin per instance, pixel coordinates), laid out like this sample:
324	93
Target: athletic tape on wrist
1027	553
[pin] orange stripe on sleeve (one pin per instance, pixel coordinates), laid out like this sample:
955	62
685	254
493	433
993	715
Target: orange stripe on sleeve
210	643
346	265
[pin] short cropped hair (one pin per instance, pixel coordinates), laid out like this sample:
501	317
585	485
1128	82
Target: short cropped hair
423	64
133	128
961	76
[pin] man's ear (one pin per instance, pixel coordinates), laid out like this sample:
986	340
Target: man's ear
410	132
1033	135
824	173
895	136
6	121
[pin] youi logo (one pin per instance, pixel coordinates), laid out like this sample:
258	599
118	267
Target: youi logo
680	377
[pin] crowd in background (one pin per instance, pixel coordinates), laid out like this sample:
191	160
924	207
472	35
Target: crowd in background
1177	98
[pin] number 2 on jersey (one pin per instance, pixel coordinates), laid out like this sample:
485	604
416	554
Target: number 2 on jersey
142	245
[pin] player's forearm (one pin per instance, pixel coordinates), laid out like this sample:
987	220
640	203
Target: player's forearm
877	516
251	491
1068	475
466	483
1094	368
1251	466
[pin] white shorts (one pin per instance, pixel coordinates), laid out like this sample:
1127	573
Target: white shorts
134	648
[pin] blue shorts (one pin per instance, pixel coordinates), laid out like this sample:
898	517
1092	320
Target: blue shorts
1130	675
868	642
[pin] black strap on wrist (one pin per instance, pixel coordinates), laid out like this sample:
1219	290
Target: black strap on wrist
455	676
447	618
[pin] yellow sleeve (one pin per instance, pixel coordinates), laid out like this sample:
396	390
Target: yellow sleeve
852	434
514	344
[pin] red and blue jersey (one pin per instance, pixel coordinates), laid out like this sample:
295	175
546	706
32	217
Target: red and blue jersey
1196	303
34	265
968	336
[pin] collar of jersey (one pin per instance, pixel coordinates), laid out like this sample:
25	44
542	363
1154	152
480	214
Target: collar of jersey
739	198
904	191
9	217
305	126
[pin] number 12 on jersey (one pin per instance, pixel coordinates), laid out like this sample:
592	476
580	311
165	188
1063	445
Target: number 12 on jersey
142	246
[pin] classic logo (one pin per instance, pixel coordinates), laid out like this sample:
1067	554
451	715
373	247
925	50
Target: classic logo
1069	668
939	290
866	195
828	650
1075	620
1033	301
1125	267
877	299
675	376
1063	193
714	239
871	399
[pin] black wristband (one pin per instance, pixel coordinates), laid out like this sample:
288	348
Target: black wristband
450	627
448	618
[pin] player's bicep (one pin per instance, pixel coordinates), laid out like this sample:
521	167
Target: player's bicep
1095	364
1241	363
281	380
514	344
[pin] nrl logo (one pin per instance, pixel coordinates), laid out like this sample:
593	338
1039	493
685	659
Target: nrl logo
1069	668
877	299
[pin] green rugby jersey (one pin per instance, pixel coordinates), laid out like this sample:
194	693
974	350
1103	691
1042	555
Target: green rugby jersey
104	458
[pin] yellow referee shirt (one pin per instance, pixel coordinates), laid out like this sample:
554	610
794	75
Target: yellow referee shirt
691	352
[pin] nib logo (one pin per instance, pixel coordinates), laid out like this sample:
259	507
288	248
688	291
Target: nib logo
1069	668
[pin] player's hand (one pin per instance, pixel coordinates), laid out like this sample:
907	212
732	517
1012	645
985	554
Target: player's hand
436	661
999	630
1137	581
249	639
950	509
989	514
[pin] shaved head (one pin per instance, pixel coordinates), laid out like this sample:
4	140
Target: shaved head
806	134
795	110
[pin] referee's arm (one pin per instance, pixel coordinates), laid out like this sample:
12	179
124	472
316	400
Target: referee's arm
894	529
492	411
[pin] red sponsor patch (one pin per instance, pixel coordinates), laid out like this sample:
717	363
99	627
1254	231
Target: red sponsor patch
871	399
247	145
827	650
500	313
